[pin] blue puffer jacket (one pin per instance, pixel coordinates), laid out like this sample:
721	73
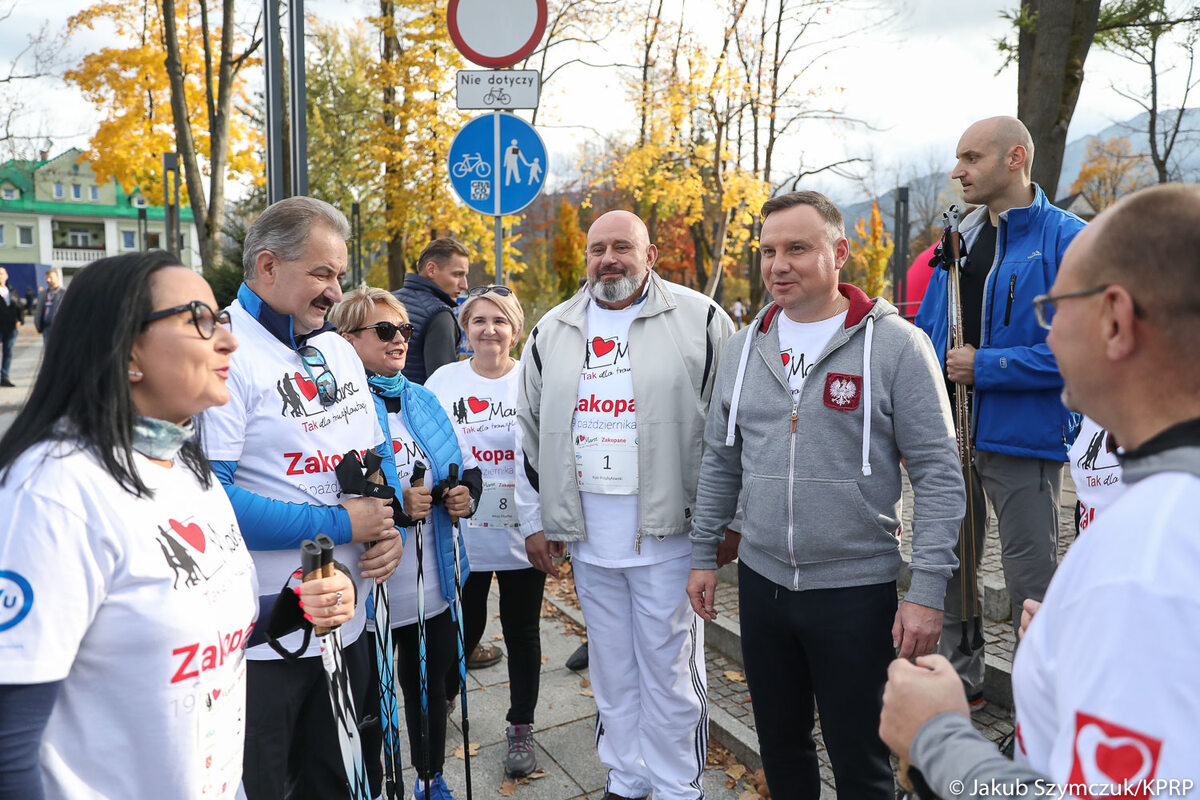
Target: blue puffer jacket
426	420
1018	410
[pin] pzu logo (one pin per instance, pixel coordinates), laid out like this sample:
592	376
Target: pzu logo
16	599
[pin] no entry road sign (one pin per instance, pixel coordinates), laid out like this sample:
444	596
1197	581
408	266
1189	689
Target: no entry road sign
497	164
496	33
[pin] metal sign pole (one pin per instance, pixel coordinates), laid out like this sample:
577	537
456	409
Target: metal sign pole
498	234
273	63
297	98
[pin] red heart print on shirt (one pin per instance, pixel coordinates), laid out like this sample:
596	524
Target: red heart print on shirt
1111	755
307	387
786	358
190	533
476	405
396	446
602	347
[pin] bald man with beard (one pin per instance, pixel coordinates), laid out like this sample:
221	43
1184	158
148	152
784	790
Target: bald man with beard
614	387
1021	431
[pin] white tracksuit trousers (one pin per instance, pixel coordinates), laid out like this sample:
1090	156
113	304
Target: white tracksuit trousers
646	662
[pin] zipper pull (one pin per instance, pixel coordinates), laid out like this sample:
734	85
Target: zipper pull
795	406
637	543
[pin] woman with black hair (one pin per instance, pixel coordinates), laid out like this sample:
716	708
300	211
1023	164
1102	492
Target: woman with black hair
126	592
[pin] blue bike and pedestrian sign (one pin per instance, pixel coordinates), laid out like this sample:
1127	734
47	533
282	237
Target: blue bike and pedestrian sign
497	164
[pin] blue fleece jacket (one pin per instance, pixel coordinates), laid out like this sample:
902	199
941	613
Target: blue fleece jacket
1017	409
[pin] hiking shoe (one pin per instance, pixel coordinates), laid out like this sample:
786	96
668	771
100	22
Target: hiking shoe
483	656
579	659
611	796
520	760
438	790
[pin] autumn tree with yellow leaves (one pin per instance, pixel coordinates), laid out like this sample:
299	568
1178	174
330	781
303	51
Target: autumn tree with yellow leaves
870	252
1111	170
169	83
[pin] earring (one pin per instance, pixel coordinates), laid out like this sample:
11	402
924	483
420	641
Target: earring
133	373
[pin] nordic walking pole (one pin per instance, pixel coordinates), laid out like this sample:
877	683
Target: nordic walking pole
418	479
316	561
455	534
389	704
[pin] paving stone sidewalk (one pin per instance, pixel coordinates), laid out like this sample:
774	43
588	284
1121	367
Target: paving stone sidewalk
27	356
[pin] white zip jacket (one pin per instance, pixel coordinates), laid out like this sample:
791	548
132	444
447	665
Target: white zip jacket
675	344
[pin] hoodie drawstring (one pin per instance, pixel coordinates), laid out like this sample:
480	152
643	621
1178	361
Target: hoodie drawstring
731	429
866	400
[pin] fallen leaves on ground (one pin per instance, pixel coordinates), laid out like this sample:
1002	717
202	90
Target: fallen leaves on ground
460	754
584	682
508	788
499	637
735	676
736	771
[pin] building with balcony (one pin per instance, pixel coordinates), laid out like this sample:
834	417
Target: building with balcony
55	213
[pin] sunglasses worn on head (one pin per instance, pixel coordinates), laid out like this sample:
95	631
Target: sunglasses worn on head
386	331
326	384
204	318
503	291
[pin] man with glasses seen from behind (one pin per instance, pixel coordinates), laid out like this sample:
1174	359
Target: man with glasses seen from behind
298	400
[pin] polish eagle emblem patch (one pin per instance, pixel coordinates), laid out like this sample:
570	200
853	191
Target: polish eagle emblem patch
843	392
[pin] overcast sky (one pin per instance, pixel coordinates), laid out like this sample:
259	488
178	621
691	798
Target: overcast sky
918	81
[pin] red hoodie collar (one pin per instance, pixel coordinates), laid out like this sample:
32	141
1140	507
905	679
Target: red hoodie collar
860	306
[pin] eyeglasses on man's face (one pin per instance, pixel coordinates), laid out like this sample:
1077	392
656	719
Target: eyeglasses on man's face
204	318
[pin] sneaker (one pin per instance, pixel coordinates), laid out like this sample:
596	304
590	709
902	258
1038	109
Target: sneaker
520	760
611	796
438	790
483	656
7	383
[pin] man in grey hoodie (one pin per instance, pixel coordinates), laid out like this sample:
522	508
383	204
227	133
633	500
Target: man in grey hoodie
815	404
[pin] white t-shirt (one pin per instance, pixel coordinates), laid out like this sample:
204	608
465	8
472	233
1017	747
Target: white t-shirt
1095	470
606	454
402	586
287	444
1105	679
484	412
142	607
801	344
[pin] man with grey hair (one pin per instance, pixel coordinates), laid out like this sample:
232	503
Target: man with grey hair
614	385
298	400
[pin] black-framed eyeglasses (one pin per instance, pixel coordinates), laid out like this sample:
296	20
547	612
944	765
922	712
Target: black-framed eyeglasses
204	318
1043	304
497	288
386	331
319	373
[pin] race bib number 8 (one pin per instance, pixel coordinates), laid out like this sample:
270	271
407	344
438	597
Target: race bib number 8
606	466
497	507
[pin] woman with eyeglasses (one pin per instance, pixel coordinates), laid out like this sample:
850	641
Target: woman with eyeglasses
481	396
127	595
376	323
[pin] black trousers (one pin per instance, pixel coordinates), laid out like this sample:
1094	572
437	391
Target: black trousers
441	649
292	746
521	592
836	645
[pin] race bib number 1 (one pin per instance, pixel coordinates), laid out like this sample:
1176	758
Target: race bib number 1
606	467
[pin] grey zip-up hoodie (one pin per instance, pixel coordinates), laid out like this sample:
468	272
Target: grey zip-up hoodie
820	478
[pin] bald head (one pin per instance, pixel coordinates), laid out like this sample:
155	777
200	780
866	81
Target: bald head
1149	241
1005	133
622	218
619	257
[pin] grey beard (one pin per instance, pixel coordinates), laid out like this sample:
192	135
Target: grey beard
615	291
